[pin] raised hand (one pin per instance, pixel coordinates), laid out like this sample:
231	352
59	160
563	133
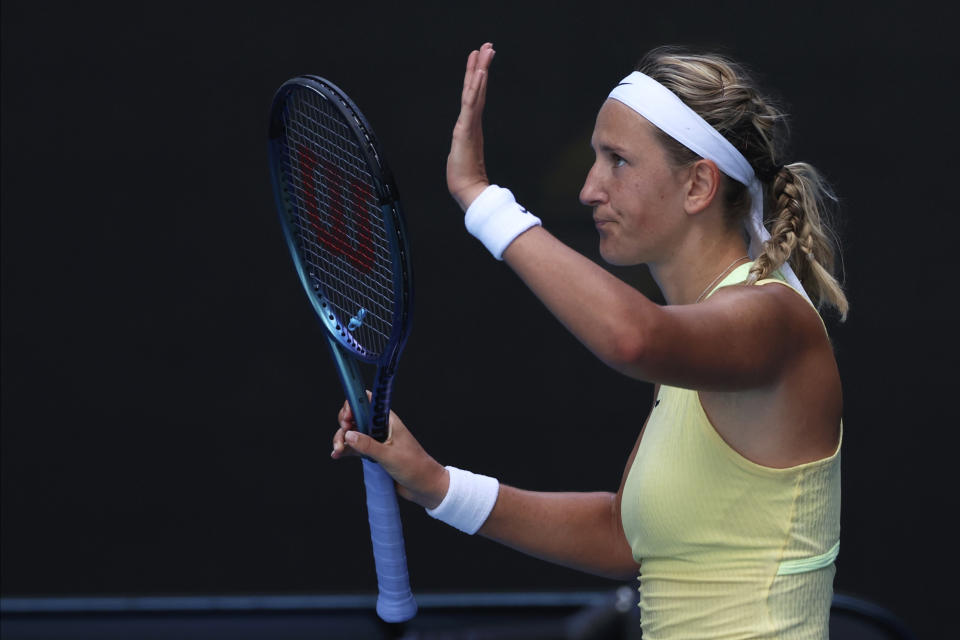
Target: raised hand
466	173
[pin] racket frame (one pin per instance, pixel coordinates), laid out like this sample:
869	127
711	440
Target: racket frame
395	602
372	418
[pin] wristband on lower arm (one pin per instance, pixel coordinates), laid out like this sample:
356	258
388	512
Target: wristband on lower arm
469	500
495	219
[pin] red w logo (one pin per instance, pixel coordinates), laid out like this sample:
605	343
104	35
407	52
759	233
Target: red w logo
352	241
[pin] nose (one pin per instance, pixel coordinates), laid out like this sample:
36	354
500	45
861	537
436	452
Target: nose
592	193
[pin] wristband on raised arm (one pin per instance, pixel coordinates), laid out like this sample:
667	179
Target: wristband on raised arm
495	219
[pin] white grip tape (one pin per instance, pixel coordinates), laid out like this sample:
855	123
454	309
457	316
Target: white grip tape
469	500
495	219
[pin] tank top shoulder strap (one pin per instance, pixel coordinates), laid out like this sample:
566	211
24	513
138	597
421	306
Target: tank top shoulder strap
740	274
737	276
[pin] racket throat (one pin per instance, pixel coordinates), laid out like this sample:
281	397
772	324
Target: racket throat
352	380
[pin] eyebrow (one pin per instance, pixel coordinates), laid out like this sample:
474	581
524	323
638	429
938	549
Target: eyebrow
609	148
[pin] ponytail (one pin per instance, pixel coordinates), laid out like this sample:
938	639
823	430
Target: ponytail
800	233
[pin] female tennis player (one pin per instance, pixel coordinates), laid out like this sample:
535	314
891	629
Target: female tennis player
729	505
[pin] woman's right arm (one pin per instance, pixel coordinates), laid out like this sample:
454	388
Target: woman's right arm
578	530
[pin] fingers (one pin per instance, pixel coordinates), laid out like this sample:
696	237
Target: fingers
362	444
479	59
345	417
340	447
471	67
475	78
347	441
346	434
346	422
484	59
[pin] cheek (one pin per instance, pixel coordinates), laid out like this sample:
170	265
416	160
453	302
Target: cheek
654	198
641	206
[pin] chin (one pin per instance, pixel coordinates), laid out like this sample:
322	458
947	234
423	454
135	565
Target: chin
613	258
616	256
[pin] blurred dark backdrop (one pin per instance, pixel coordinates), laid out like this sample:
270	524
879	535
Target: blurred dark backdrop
168	402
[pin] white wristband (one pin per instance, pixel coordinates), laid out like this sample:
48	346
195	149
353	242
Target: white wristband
469	500
495	219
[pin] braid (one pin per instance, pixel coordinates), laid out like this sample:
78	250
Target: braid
798	221
786	229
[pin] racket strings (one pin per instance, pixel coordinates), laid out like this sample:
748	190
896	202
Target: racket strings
363	237
336	238
338	221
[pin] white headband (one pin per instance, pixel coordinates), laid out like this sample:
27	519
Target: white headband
668	113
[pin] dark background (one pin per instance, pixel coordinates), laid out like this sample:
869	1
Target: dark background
167	399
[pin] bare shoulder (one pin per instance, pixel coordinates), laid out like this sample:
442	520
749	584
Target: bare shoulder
775	303
795	416
798	314
742	337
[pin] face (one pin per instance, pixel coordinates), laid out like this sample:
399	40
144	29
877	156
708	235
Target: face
636	195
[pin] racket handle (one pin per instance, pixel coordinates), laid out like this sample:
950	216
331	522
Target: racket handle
395	602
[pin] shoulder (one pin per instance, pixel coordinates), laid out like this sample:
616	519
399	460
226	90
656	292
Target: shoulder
774	304
741	337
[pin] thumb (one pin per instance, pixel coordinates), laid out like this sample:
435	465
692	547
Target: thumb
363	444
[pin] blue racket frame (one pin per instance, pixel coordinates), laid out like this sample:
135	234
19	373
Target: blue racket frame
395	602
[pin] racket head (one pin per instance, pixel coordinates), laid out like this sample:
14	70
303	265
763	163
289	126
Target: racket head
341	218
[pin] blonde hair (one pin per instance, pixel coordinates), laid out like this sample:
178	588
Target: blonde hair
799	202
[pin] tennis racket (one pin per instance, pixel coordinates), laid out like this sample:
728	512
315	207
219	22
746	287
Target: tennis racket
343	224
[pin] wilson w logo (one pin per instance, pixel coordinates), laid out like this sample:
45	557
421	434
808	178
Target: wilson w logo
345	231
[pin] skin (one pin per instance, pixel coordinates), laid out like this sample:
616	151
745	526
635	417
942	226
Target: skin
758	356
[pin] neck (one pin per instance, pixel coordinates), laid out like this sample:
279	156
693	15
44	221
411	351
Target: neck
685	275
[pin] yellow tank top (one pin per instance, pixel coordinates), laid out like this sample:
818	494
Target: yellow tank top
727	548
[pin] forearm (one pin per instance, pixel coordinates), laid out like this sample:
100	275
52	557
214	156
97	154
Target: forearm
611	318
577	530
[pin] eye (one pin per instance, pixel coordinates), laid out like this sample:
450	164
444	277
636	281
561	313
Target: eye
617	160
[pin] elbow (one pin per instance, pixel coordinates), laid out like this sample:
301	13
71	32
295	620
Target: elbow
634	339
628	573
624	569
628	350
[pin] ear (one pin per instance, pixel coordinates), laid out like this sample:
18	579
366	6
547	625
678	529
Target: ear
703	184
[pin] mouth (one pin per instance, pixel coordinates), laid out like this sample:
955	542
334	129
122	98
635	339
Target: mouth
602	217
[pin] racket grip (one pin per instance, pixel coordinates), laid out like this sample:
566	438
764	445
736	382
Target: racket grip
395	602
